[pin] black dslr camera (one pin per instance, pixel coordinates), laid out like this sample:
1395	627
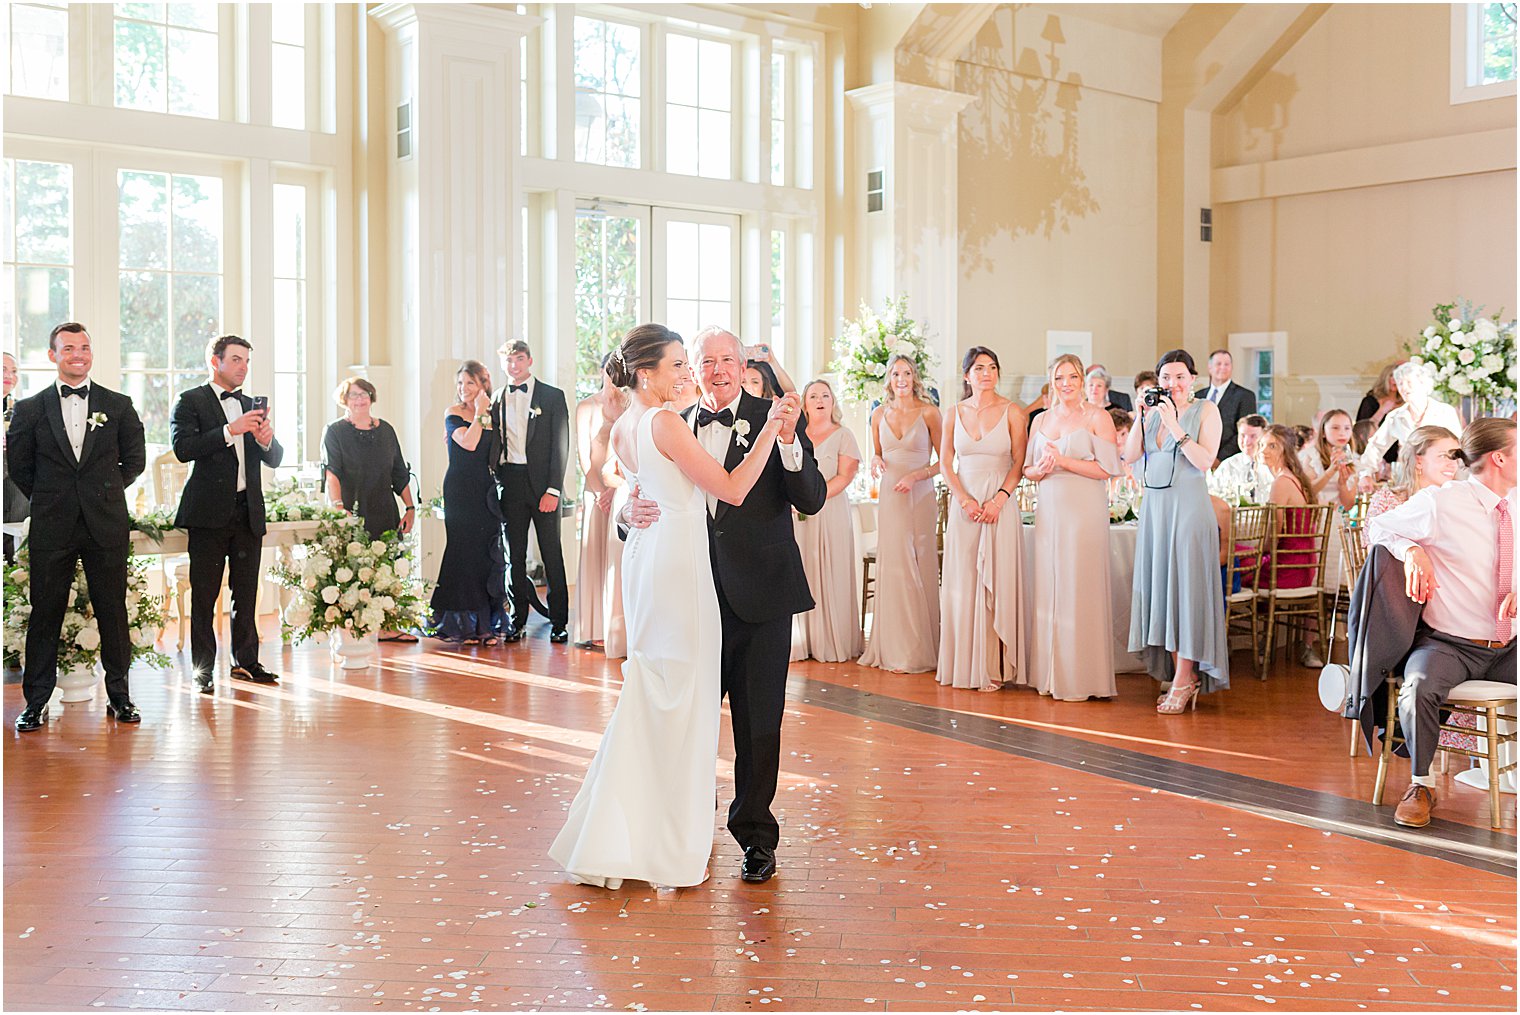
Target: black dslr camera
1152	396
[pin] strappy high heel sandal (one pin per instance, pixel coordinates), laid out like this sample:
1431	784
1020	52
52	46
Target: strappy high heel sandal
1179	700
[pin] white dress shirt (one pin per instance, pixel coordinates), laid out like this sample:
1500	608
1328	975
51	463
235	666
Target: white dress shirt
1237	471
1216	392
76	417
1400	423
514	437
715	437
1456	526
232	408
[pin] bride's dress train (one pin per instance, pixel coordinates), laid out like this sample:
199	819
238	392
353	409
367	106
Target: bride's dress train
645	810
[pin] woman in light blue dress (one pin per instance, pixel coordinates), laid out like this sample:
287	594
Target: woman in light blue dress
1177	615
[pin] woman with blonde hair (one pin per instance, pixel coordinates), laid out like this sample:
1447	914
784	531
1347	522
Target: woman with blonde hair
1429	457
905	431
830	631
1072	455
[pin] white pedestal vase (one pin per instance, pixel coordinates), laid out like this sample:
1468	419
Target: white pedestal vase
78	684
354	652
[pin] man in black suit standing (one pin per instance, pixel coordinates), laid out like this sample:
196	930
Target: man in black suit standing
217	427
757	569
1233	401
74	448
534	422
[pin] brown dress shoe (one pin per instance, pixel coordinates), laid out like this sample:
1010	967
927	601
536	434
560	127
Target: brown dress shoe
1414	810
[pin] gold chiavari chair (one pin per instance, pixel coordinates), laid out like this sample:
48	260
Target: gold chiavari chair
1298	544
1246	544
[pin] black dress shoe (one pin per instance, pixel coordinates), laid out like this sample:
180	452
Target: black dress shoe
204	683
759	864
125	712
513	634
257	674
559	636
31	719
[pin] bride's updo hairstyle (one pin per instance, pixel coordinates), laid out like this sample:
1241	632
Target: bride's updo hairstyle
642	349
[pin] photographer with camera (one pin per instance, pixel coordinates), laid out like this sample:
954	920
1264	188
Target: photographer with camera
1177	614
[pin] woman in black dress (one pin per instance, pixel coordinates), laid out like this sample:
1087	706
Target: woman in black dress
365	470
469	603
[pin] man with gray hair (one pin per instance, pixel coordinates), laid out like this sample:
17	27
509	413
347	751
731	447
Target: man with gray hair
757	570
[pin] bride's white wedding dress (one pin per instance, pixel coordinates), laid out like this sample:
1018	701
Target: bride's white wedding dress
645	811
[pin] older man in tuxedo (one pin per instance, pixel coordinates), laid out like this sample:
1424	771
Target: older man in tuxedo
74	448
219	428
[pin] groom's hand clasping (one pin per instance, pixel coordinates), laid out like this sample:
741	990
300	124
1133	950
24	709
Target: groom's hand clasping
641	513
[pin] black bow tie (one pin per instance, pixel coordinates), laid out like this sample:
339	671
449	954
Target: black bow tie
726	417
83	391
232	394
517	387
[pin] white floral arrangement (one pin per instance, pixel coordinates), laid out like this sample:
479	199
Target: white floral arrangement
870	341
350	582
1472	356
79	639
287	501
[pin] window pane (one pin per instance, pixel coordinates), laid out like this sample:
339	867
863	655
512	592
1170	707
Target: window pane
681	260
140	68
623	59
144	219
622	253
8	199
194	75
716	143
681	141
39	52
1494	21
289	99
778	153
681	70
622	133
590	54
288	410
590	127
778	86
197	223
289	324
681	317
289	231
1499	60
145	12
144	319
711	312
197	318
778	274
151	396
44	193
42	301
716	70
715	259
203	16
288	23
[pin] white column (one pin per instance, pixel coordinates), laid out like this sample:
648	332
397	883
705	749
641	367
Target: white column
911	246
453	207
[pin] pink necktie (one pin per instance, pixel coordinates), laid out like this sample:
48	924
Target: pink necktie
1504	582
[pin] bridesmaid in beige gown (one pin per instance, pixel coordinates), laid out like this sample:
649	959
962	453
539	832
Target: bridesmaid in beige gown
1073	451
597	595
830	631
905	430
982	644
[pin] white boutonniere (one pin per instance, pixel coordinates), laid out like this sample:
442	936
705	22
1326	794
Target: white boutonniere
96	419
741	431
535	411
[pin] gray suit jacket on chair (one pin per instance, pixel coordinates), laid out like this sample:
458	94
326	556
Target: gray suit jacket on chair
1381	624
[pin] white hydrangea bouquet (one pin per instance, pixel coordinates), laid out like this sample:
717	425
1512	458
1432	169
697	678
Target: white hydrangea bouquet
872	339
347	581
1473	356
287	501
79	640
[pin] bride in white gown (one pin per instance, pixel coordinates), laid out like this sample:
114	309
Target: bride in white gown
645	810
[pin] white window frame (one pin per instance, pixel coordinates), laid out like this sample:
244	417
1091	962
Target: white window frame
643	214
659	284
736	100
102	28
1467	58
315	297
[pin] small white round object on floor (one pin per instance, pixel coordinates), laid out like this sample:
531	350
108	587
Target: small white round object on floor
1334	686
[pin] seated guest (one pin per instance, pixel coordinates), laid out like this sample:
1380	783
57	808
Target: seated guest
1303	433
1327	460
1429	457
1361	432
1291	488
1243	470
1457	543
470	601
1099	390
1416	382
830	631
365	468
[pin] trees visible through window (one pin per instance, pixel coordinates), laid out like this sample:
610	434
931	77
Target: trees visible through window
39	261
780	65
168	58
170	279
40	50
1497	57
606	290
699	91
1264	382
607	90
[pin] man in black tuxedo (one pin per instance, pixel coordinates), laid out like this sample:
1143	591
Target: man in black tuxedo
757	569
1233	401
534	422
217	427
74	448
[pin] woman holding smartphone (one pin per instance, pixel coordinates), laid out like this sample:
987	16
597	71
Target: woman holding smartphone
1177	614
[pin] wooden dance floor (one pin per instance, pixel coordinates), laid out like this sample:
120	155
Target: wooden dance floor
375	841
